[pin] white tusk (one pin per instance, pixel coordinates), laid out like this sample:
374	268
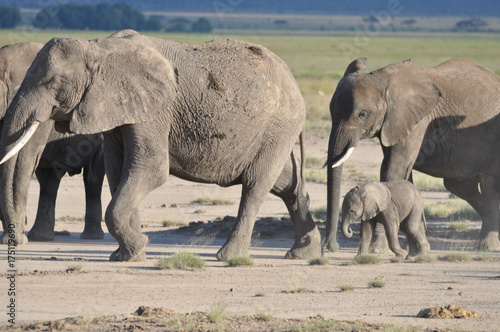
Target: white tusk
21	142
344	158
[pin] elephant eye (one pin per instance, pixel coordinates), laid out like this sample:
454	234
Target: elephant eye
363	114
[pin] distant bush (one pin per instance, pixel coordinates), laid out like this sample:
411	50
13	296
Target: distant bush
202	25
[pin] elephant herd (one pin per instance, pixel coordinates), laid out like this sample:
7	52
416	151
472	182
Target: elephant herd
228	112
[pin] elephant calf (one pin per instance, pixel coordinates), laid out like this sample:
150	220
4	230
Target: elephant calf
396	205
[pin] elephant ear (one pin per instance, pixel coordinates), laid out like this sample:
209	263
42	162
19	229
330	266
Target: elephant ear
4	99
131	83
355	66
410	95
376	198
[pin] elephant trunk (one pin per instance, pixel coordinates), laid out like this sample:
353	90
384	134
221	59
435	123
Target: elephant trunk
340	148
334	179
346	230
19	164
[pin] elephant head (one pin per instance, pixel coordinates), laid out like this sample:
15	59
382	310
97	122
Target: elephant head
363	202
79	84
387	103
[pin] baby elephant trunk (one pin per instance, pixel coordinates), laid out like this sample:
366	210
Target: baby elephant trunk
346	230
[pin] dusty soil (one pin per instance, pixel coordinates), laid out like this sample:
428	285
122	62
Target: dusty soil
287	292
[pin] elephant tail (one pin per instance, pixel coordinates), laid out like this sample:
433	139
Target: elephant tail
302	156
427	232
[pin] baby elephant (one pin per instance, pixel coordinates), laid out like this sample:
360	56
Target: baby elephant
397	205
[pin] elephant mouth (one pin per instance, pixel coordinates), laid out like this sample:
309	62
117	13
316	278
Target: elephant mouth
341	158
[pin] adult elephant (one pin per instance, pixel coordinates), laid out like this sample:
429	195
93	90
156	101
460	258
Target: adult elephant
443	121
51	155
224	112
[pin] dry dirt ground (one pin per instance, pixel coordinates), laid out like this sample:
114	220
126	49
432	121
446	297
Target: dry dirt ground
274	293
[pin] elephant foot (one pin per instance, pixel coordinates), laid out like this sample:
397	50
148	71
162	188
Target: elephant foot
227	251
332	246
92	235
409	258
131	255
490	243
19	239
401	254
35	235
120	255
307	248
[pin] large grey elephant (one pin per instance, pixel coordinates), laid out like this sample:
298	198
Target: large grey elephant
51	155
443	121
397	206
224	112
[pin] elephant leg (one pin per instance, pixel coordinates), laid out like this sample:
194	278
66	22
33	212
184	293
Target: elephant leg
93	178
379	243
391	231
486	203
43	229
414	229
290	188
241	234
133	172
257	181
366	234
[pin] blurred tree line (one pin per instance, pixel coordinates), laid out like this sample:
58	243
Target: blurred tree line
10	17
101	16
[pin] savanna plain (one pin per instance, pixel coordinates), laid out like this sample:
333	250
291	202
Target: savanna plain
69	284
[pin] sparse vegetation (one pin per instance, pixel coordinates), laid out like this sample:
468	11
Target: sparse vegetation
240	261
315	162
424	258
70	218
171	223
462	257
486	257
217	314
316	176
212	201
323	260
181	260
263	316
74	267
396	259
376	283
460	226
300	290
347	288
425	182
367	259
455	209
351	173
322	325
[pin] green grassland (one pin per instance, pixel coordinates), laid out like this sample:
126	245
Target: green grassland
318	61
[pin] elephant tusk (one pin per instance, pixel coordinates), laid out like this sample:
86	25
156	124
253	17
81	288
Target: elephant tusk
21	142
344	158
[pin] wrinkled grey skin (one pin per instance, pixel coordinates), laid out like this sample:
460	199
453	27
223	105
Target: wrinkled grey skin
51	155
443	121
224	112
397	206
